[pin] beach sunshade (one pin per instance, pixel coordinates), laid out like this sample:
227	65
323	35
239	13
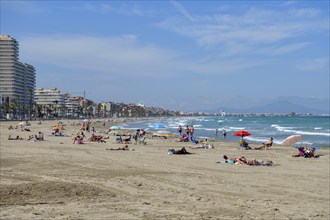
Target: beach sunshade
85	120
163	133
241	133
292	139
115	127
158	126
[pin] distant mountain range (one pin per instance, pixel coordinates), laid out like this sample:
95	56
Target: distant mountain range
284	105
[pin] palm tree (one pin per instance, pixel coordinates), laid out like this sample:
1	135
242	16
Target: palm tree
30	106
13	106
99	107
90	111
55	107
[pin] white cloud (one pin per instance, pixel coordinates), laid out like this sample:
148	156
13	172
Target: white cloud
116	55
313	65
182	10
122	55
255	29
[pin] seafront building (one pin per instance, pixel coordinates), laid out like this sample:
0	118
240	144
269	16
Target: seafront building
49	96
51	100
17	80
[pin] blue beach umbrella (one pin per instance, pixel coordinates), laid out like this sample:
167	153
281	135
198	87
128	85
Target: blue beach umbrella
158	126
163	133
115	127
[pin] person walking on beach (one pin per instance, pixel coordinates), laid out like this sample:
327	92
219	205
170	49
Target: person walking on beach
224	134
187	130
216	132
192	130
180	130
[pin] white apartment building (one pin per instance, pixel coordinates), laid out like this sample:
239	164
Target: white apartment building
50	96
17	80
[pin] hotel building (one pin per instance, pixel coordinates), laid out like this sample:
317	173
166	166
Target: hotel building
17	80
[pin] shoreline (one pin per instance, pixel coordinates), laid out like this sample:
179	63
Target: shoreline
60	180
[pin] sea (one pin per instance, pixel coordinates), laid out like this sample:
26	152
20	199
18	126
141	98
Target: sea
315	130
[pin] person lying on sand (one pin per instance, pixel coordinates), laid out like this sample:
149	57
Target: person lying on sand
229	160
181	151
255	162
243	160
237	160
96	138
120	148
16	138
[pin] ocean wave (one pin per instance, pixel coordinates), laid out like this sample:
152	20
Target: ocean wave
236	128
281	128
205	129
311	133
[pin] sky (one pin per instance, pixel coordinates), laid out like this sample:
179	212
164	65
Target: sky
178	55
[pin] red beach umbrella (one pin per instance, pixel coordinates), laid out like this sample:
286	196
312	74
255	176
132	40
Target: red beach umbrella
241	133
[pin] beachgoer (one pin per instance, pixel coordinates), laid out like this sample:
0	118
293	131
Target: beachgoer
241	160
224	133
120	148
305	152
78	140
192	131
39	137
180	129
244	144
16	138
229	160
181	151
136	136
184	138
187	130
265	145
216	132
255	162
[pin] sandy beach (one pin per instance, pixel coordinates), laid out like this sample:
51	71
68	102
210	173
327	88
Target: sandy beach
56	179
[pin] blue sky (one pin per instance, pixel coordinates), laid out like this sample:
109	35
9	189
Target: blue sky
181	55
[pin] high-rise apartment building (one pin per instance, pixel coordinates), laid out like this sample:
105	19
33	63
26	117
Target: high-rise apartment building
17	80
50	96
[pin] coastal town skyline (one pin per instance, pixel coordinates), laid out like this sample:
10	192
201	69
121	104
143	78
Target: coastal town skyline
176	55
